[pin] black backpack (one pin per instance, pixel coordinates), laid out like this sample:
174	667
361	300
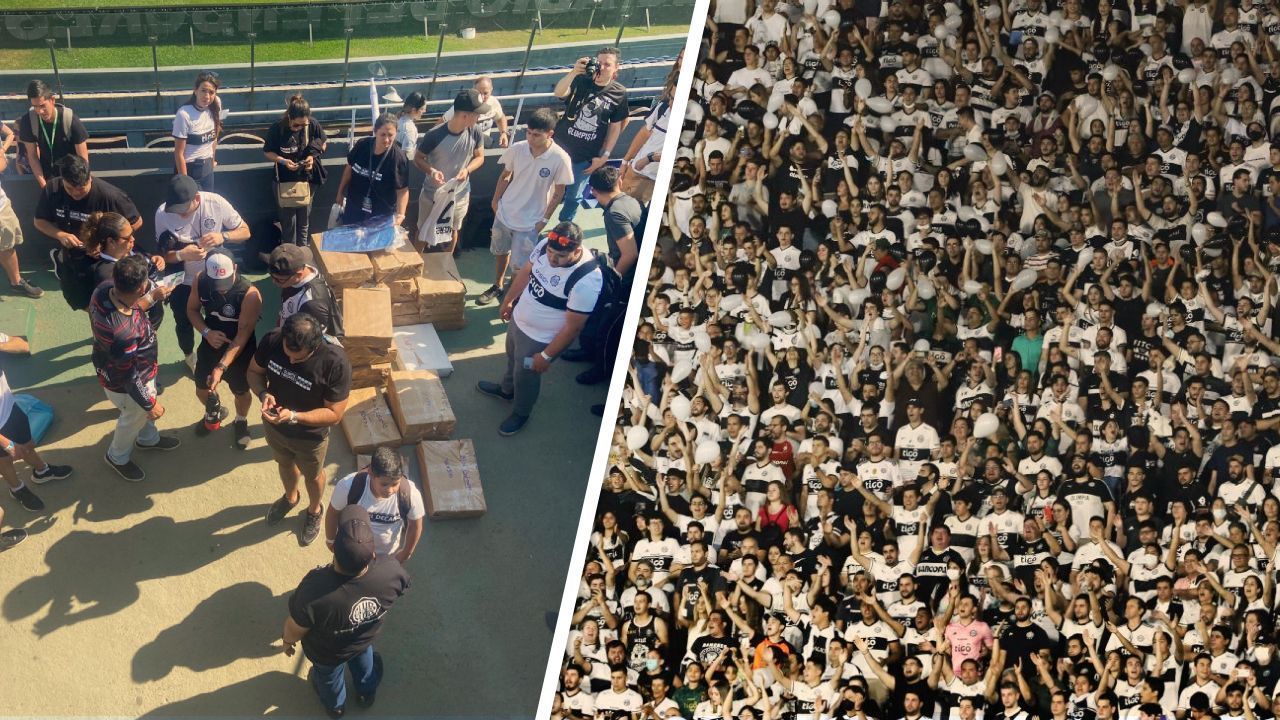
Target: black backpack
361	479
611	294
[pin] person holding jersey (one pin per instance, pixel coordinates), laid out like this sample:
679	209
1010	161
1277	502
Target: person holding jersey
196	127
393	501
49	132
546	307
450	151
296	145
224	308
189	225
376	179
65	203
109	237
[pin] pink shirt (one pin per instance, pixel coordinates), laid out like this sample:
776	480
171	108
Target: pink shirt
967	641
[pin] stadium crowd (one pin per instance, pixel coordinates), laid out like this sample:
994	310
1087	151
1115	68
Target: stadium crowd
955	394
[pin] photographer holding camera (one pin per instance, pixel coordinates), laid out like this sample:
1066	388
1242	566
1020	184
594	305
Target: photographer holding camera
595	112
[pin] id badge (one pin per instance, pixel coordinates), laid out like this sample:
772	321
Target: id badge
367	205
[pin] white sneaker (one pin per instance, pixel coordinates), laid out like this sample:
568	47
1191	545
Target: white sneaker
191	362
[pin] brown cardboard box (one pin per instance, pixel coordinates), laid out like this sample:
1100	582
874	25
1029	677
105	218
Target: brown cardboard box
368	422
341	269
420	406
440	278
364	376
391	265
366	317
404	291
450	479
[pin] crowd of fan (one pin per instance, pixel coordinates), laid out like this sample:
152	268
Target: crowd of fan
955	394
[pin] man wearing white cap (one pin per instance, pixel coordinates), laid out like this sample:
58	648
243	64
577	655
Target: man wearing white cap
224	308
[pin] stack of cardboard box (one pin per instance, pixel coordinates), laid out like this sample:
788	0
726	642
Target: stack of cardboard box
435	296
366	319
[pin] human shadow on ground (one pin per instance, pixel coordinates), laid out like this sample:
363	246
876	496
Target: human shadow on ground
99	574
241	621
274	693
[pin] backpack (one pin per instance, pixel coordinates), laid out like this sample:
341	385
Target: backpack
611	301
361	479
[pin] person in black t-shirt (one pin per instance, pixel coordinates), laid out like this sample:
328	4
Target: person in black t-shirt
295	144
376	178
50	132
337	611
64	206
303	382
595	110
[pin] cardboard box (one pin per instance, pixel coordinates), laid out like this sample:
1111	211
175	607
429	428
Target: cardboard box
365	376
366	317
398	264
450	479
340	269
420	405
368	422
403	291
440	278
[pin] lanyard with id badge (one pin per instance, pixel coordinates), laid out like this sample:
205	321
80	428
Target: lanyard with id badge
366	205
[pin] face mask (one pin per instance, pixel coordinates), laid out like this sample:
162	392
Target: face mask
1255	135
953	574
1219	514
650	664
1263	653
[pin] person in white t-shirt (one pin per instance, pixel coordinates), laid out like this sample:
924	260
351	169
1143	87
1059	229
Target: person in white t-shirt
189	224
392	500
557	289
535	172
493	116
618	702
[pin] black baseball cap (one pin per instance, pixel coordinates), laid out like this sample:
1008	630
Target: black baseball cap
469	101
182	192
353	545
287	259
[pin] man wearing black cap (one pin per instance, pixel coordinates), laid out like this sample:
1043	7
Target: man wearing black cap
190	224
448	152
303	383
224	309
557	290
337	611
303	288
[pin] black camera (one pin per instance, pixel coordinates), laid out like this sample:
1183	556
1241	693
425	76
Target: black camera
593	67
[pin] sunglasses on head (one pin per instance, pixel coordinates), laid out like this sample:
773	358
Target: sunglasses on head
563	242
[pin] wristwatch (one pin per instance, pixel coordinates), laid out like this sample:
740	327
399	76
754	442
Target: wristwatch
293	418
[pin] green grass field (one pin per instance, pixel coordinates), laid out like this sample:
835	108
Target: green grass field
327	49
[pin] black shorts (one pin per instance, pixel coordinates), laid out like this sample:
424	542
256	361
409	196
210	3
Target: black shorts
236	376
16	429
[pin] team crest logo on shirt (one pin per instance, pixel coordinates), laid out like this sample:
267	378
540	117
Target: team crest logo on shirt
364	610
555	280
209	224
228	310
973	633
544	172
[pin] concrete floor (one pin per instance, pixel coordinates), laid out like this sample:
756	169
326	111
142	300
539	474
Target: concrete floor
165	598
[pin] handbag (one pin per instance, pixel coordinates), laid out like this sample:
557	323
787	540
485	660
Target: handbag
294	193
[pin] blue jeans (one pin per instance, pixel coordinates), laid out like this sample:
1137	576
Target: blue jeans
573	193
330	683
